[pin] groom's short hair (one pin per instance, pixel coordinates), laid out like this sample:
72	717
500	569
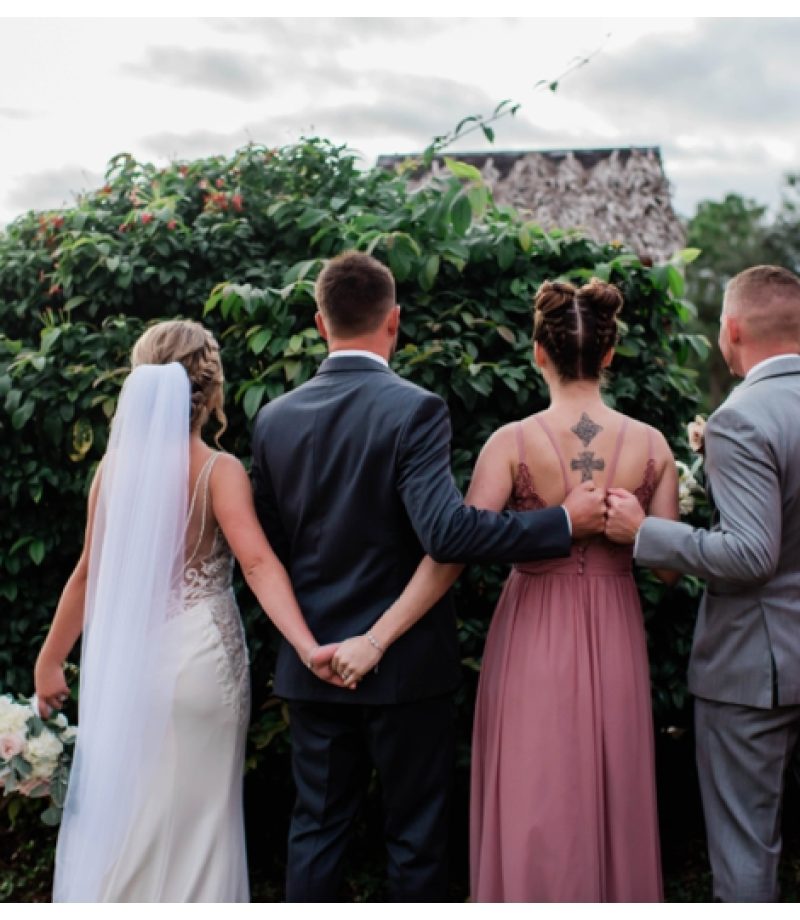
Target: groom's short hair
354	292
767	299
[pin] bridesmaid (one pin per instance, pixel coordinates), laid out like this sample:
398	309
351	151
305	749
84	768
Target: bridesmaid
563	803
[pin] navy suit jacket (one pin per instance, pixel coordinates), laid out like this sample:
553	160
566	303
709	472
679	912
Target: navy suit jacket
352	484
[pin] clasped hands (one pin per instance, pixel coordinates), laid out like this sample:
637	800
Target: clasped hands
343	664
614	512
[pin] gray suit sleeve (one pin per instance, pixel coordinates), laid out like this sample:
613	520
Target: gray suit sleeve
743	546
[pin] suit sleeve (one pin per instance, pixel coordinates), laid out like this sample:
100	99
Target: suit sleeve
264	495
451	531
743	546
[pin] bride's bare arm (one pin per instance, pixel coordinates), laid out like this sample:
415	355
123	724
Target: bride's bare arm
491	485
51	687
232	502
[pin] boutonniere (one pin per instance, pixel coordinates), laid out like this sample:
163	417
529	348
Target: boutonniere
696	432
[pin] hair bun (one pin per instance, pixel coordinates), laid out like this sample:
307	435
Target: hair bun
553	295
601	297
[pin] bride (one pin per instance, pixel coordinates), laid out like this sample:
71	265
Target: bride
154	805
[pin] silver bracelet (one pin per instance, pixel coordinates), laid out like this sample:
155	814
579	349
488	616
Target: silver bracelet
373	641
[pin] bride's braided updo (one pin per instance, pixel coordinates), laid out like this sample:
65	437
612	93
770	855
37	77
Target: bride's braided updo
193	346
576	326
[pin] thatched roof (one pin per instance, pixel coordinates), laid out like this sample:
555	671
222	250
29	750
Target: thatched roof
610	194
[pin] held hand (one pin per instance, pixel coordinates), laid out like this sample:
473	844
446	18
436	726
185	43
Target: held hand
624	516
354	658
320	664
586	507
51	687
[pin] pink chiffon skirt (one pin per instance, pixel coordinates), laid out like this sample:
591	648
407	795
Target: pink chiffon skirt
563	801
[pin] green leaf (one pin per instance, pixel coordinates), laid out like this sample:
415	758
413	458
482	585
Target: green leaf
260	341
488	133
461	214
21	416
428	272
505	333
676	281
51	816
36	551
687	256
463	170
252	399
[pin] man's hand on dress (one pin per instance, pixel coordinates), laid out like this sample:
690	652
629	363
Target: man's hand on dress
586	507
624	517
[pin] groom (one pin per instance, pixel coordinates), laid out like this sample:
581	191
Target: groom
352	482
745	664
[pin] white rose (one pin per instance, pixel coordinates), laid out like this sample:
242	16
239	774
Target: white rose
13	716
45	747
61	720
69	733
696	432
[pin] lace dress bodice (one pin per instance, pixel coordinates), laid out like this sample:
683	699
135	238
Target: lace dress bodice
207	590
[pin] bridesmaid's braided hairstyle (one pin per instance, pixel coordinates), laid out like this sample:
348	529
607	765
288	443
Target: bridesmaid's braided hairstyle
576	326
193	346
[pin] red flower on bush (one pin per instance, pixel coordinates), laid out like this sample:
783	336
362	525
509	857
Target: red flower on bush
146	218
236	201
172	224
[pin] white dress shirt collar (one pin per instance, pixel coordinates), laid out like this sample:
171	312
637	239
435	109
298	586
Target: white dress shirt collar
358	353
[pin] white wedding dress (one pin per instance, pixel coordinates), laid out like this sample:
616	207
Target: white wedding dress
186	842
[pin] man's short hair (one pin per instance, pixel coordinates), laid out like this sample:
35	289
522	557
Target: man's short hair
354	293
767	300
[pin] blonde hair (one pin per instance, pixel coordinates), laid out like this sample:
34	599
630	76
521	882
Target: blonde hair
193	346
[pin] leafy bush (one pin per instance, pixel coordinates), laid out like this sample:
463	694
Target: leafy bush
237	243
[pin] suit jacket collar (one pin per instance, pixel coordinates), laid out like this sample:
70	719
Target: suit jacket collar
352	363
780	367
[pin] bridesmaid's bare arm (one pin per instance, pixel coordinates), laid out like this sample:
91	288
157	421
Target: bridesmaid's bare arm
491	485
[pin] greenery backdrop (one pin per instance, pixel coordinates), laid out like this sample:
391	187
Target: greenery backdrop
237	243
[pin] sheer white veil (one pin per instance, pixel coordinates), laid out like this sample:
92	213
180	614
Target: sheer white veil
128	659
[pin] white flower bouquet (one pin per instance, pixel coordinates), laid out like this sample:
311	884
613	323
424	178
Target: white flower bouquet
688	486
35	754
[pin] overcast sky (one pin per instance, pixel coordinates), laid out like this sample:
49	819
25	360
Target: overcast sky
720	97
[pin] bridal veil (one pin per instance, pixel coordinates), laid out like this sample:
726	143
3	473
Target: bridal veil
128	664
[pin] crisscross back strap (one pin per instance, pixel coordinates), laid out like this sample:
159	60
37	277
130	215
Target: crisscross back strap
205	475
612	469
546	429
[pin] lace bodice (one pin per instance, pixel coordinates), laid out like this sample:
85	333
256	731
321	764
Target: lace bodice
207	590
211	575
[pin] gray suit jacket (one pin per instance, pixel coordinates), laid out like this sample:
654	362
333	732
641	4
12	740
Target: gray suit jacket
747	639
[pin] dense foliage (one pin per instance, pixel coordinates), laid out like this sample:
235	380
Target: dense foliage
237	242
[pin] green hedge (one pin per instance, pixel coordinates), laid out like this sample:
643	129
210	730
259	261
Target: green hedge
237	243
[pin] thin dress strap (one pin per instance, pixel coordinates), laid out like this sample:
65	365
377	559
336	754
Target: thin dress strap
612	469
205	472
546	429
520	444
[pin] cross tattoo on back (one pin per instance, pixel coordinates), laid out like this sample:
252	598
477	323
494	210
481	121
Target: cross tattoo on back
587	464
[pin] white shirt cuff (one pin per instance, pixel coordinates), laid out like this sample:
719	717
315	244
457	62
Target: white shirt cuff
569	520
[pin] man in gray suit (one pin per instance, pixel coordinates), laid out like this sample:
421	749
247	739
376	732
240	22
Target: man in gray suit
745	663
